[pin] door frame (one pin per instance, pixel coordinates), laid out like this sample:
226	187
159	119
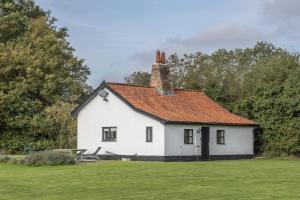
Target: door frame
202	142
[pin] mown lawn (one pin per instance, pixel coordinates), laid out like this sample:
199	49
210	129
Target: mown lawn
245	179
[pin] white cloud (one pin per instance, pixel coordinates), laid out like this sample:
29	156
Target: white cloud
142	60
278	22
219	36
284	17
282	10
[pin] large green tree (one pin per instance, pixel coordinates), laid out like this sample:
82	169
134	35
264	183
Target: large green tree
38	69
271	95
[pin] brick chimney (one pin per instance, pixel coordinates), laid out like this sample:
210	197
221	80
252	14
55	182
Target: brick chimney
160	75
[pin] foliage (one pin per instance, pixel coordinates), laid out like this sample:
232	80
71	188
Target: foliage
274	101
49	158
261	83
4	159
12	159
139	78
56	124
39	75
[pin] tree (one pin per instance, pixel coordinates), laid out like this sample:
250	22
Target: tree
273	99
55	124
38	70
139	78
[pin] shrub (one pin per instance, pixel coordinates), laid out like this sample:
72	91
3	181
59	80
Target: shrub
15	161
49	158
4	159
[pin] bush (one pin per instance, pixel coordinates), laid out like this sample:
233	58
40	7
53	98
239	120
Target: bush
15	161
49	158
4	159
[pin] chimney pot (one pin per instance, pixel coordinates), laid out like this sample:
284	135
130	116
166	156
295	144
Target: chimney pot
163	57
158	58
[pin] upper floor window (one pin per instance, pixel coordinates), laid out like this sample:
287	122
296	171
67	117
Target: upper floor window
188	136
220	137
109	134
149	131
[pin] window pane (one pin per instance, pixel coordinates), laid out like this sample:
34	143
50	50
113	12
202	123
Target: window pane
220	137
148	134
114	134
108	135
185	139
113	129
188	136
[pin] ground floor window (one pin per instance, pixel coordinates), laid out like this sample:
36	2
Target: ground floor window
149	134
109	134
188	136
220	137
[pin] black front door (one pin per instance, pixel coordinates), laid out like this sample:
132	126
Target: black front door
205	143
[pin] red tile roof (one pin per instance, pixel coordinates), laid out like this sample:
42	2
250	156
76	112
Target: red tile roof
186	106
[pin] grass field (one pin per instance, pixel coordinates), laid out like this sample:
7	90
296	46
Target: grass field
245	179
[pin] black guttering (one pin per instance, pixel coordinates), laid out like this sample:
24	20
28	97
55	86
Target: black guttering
211	123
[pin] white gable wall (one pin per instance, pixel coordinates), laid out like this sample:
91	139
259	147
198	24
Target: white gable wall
131	128
238	140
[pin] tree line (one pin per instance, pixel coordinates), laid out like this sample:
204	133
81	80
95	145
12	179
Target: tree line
261	83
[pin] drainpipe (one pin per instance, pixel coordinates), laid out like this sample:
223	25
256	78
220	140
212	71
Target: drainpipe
197	142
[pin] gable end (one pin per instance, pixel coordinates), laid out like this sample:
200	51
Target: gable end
103	85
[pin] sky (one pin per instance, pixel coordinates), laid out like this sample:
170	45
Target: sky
118	37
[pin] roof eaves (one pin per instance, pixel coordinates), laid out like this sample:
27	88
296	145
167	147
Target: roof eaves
211	123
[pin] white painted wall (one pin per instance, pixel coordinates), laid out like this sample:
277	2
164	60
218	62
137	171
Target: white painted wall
175	146
238	140
131	128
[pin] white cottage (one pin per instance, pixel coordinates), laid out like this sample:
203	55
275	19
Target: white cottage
160	123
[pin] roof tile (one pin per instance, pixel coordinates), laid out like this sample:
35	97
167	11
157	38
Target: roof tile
186	106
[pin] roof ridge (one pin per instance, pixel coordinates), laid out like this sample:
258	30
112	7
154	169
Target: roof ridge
187	89
148	86
129	84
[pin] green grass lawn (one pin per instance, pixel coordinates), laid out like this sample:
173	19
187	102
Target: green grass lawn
245	179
